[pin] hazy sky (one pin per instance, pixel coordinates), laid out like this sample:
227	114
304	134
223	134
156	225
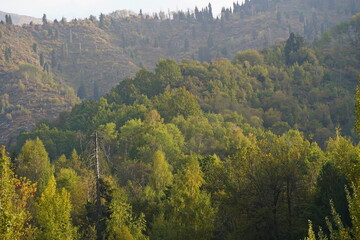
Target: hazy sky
83	8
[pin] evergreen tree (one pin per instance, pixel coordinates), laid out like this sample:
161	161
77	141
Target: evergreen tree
292	46
81	93
46	67
211	17
54	61
102	21
35	47
41	58
44	19
8	20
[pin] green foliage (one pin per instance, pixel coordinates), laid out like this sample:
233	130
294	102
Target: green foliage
33	73
178	102
311	234
88	115
140	140
122	224
190	214
357	108
252	56
56	141
5	104
167	73
345	156
267	171
53	214
15	194
161	176
33	163
191	144
292	46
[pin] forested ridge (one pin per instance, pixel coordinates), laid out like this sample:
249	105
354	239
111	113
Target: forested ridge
57	61
262	146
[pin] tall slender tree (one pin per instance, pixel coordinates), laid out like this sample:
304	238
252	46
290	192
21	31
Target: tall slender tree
53	214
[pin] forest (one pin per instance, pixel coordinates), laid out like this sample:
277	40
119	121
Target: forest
263	145
49	65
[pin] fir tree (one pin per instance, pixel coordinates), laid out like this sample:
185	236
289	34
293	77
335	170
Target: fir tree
44	19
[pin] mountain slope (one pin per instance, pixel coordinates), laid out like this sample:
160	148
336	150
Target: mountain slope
93	55
20	19
28	92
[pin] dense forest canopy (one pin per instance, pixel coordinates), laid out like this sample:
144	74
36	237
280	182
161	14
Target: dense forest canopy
259	146
85	58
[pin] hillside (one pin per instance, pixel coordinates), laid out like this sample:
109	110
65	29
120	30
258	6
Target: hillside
254	144
20	19
28	93
248	148
93	55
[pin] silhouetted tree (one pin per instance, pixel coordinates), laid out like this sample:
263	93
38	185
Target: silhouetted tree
53	58
42	61
44	19
81	93
102	19
8	19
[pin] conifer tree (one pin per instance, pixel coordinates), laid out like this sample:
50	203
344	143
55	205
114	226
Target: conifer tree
8	20
81	93
44	19
54	61
41	58
101	21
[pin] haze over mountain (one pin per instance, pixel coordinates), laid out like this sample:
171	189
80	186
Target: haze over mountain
93	55
84	8
20	19
183	125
